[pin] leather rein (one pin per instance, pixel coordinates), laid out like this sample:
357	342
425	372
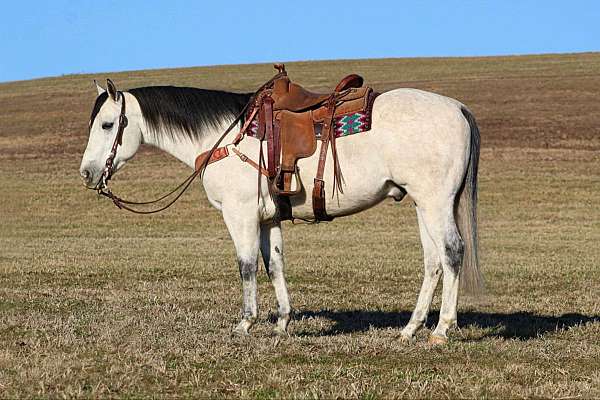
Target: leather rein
102	185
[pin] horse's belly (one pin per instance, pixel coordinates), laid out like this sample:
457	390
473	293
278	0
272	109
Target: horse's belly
365	176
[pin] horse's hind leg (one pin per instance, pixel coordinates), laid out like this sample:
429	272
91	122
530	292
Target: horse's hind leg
244	230
433	270
271	247
439	221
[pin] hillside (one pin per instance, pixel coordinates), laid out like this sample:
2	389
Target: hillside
548	101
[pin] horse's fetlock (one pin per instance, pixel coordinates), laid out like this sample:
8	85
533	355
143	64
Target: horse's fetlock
283	316
449	322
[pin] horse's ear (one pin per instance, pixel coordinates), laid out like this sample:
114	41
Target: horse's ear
99	88
112	90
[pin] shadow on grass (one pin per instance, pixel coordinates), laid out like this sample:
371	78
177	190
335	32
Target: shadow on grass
518	325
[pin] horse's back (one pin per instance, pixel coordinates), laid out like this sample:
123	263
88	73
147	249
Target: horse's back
417	110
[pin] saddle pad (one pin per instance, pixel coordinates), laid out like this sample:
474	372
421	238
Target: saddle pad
348	123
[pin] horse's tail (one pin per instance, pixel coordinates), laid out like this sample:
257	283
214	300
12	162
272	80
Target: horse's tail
471	278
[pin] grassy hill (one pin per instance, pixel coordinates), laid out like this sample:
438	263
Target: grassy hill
525	101
96	302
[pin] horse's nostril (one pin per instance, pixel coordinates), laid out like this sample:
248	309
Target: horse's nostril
85	174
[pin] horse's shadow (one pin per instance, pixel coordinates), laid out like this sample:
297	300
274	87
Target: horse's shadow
517	325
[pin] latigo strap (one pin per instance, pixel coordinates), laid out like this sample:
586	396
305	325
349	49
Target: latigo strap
318	194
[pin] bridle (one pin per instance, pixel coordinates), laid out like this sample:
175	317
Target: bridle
102	185
109	165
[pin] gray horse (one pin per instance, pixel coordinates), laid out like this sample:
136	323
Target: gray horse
421	144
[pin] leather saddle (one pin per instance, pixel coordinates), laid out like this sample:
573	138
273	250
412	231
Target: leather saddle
290	96
291	119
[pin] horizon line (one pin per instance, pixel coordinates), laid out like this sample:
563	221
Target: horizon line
317	60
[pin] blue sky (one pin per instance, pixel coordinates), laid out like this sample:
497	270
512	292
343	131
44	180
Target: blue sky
49	38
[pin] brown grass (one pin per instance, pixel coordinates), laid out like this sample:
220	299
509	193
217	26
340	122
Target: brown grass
96	302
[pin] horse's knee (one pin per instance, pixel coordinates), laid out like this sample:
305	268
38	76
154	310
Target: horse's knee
248	269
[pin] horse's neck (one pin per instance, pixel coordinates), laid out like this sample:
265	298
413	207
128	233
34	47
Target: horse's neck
180	146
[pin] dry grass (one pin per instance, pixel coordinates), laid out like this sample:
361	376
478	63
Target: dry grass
95	302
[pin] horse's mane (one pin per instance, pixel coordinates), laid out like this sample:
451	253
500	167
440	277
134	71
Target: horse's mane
182	112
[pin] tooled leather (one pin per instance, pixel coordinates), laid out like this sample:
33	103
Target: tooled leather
218	154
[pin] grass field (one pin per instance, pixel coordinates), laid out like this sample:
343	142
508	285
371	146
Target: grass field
97	302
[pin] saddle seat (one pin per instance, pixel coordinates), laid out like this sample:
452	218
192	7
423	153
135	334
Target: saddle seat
290	96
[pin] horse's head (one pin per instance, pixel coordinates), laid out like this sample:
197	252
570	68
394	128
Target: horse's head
103	140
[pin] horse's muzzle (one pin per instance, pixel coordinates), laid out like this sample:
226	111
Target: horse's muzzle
90	179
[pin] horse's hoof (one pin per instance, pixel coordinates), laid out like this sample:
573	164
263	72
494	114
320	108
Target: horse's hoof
280	328
280	332
405	339
240	331
436	340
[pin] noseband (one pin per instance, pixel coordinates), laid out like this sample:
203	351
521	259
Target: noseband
109	165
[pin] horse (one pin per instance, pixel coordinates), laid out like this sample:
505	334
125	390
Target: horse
420	143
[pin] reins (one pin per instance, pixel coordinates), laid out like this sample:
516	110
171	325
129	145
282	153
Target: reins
102	185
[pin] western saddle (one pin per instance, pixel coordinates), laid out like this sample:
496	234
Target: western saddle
291	119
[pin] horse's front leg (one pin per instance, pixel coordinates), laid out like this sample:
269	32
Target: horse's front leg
244	228
271	247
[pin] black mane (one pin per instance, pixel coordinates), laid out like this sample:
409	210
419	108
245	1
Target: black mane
187	111
182	111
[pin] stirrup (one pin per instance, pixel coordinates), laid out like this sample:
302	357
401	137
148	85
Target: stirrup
280	192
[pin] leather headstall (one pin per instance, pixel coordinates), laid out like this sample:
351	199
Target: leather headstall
109	165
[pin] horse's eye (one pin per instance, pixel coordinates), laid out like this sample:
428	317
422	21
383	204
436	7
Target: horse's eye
107	125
